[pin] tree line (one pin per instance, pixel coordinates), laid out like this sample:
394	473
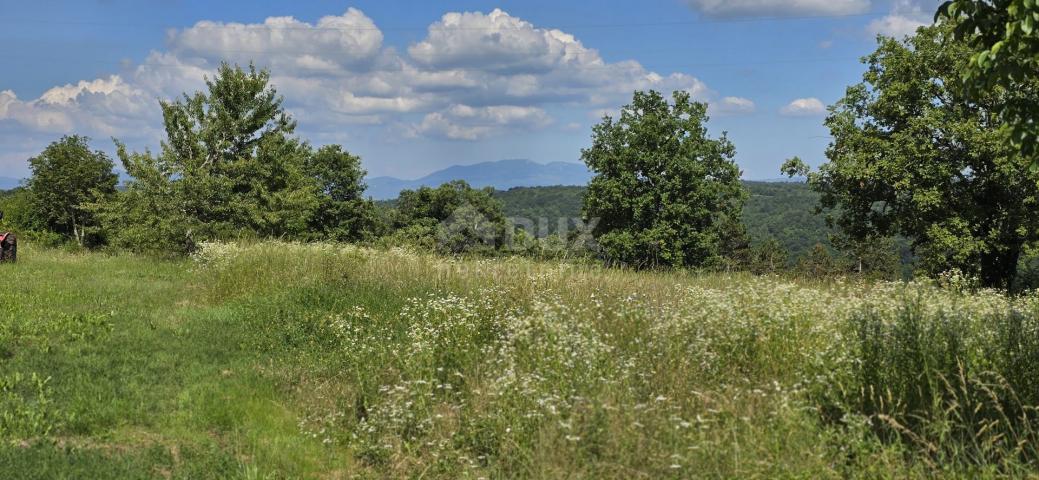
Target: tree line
932	146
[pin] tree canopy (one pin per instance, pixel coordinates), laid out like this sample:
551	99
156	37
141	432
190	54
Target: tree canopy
915	156
453	218
66	176
231	167
662	188
1004	38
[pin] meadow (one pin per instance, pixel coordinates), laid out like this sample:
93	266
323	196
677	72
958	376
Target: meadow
279	360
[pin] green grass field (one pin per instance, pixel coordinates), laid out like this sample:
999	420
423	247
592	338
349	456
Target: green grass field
324	361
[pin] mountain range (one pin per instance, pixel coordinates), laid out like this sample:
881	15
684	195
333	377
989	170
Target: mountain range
502	175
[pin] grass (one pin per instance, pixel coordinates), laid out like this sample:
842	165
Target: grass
324	361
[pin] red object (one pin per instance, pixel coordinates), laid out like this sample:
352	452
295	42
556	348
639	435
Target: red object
3	236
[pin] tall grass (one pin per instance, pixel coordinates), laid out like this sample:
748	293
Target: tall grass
286	360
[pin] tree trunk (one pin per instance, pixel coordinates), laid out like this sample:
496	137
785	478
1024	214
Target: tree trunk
998	269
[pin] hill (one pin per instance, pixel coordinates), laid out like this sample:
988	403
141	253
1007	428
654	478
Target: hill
502	175
780	210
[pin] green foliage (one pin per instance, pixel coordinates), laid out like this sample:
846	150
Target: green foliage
781	210
914	157
17	208
818	263
393	364
548	207
873	257
734	245
230	168
926	378
785	211
454	217
149	215
66	177
343	213
768	257
1004	37
662	187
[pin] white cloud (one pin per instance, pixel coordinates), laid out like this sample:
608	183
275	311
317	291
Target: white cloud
804	107
498	41
732	106
462	122
473	75
437	124
905	17
332	44
770	8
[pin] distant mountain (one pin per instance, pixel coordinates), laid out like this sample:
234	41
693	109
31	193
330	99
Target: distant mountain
502	175
782	180
7	183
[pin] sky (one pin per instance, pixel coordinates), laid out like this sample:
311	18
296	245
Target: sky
413	86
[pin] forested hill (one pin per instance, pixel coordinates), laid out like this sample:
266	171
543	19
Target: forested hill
783	210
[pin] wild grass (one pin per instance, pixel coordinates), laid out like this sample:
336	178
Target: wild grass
276	360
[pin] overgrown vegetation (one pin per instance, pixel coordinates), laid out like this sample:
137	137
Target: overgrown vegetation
389	363
252	341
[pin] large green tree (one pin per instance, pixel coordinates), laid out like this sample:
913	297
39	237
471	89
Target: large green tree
231	152
66	177
663	190
915	156
229	167
1004	37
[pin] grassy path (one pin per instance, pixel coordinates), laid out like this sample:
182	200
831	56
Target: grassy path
116	367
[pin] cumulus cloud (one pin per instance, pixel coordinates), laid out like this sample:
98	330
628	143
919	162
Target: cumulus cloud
472	75
104	106
498	41
770	8
804	107
495	56
462	122
905	17
732	106
331	45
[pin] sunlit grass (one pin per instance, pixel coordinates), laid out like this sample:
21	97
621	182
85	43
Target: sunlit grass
279	360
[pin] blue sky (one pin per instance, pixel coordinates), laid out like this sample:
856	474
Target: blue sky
415	86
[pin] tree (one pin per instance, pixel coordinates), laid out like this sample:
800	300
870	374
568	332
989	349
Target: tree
229	167
914	156
662	188
231	152
734	245
818	262
872	257
150	215
343	213
768	257
454	217
66	177
1004	38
